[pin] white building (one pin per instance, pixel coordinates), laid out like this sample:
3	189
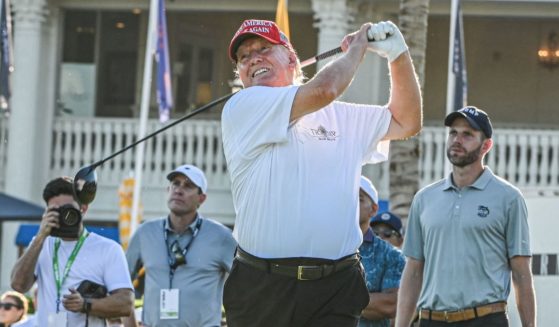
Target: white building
77	84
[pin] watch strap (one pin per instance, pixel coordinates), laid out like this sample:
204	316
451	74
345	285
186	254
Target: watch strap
86	306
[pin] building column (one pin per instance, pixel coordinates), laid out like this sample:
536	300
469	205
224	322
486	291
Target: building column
333	20
336	18
371	83
26	142
26	123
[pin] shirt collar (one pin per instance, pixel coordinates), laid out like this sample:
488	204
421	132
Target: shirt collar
480	183
369	236
448	185
190	227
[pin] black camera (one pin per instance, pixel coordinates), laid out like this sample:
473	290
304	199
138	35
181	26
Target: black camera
91	290
69	220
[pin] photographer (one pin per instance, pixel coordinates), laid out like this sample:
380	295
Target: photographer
74	269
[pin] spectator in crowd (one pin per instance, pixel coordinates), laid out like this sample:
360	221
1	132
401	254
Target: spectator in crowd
13	310
382	262
186	257
388	227
466	236
294	154
60	264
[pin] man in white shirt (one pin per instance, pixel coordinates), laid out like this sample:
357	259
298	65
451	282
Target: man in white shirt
59	264
294	155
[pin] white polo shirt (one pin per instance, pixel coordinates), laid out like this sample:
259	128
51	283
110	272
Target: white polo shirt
295	186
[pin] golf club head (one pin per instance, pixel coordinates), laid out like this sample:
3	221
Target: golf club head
85	185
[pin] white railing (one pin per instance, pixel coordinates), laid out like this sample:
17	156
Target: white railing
79	142
528	158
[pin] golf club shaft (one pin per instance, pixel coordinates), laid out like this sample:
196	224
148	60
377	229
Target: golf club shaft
324	55
205	107
164	128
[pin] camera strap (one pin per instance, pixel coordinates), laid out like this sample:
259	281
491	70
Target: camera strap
60	281
184	251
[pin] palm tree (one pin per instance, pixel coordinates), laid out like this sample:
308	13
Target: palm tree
404	155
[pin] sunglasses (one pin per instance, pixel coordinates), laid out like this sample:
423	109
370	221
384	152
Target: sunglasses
8	306
177	257
387	233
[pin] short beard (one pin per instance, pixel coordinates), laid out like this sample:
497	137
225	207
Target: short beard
465	160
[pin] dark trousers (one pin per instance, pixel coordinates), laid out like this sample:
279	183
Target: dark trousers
493	320
256	298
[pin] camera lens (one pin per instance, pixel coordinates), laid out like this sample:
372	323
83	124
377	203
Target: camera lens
70	216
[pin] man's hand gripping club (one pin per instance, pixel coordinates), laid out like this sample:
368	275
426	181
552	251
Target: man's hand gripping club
387	40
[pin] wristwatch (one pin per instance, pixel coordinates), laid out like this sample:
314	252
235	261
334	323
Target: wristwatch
86	306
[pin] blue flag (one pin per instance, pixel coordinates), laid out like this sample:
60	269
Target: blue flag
164	91
6	55
459	62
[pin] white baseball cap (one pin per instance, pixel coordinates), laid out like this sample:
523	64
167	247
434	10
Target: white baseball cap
193	173
369	188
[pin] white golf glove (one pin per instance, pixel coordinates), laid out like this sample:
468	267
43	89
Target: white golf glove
387	40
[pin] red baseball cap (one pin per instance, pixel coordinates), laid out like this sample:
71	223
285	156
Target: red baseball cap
256	27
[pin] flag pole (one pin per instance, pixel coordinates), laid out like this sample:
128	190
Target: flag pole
451	80
6	63
144	112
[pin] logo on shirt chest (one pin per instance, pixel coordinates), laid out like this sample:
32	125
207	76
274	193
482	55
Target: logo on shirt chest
322	134
482	211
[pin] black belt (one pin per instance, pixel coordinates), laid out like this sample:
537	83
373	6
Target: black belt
300	268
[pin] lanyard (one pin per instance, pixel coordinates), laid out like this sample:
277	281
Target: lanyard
184	251
57	279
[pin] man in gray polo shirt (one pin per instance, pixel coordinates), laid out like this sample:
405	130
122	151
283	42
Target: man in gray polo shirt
186	258
466	234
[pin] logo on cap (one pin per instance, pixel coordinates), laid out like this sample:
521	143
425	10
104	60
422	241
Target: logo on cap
477	118
256	27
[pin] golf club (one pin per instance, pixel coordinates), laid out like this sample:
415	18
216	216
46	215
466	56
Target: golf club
85	181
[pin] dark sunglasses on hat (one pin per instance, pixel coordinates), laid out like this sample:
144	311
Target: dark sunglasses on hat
177	256
384	232
9	306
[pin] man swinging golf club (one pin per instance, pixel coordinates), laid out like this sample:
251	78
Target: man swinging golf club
294	155
85	180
